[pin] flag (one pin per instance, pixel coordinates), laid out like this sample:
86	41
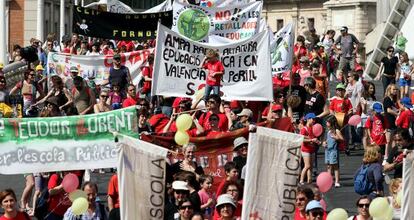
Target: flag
272	173
282	49
141	177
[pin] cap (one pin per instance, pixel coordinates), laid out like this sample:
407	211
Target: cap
377	107
246	112
225	199
74	69
117	57
239	142
340	86
39	67
180	185
277	108
304	59
406	102
313	205
344	28
310	116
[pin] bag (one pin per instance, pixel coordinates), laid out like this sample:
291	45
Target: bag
41	209
362	185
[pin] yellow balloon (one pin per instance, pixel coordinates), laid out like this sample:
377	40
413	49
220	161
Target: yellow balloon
200	93
337	214
399	197
184	122
378	206
77	194
79	206
181	138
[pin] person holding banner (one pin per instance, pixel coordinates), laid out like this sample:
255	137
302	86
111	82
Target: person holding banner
402	140
215	72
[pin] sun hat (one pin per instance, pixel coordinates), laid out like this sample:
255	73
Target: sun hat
180	185
344	28
310	116
313	205
225	199
246	112
74	69
239	142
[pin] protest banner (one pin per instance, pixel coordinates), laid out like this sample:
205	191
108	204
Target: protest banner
96	66
236	22
33	145
222	3
282	49
164	6
93	23
178	72
407	211
213	152
141	177
113	6
274	159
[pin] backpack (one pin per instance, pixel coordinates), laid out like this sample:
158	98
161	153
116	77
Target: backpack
362	185
41	209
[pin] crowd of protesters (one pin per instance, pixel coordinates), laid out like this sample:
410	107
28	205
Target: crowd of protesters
319	63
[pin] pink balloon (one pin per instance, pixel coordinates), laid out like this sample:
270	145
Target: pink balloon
323	204
354	120
70	182
317	130
324	181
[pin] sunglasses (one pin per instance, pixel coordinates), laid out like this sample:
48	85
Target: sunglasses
391	51
181	191
186	207
363	205
316	213
301	199
31	74
104	96
211	101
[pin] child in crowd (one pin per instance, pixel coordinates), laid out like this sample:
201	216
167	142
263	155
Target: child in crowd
115	97
308	147
405	72
376	125
333	137
206	196
215	72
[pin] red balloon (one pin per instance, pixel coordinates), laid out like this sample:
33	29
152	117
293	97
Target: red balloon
317	130
324	181
354	120
70	182
209	4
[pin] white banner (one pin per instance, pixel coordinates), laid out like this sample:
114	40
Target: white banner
165	6
141	177
222	3
282	49
407	205
113	6
274	159
96	66
247	74
236	22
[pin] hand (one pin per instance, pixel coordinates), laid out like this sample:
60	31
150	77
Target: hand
209	201
61	108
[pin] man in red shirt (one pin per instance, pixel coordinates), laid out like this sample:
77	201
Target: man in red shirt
215	72
113	198
131	97
213	105
406	115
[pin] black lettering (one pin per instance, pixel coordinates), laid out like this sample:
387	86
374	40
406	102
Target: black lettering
156	213
190	90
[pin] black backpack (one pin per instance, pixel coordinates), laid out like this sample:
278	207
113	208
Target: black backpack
42	206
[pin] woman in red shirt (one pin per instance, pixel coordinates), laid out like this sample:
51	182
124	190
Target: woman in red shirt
299	50
9	205
308	147
215	72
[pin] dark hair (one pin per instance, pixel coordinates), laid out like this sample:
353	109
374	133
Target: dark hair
315	64
213	116
355	75
216	98
306	191
404	133
7	192
77	79
366	94
204	177
151	58
90	184
180	203
361	198
332	120
300	38
27	72
188	177
229	166
390	47
232	183
16	46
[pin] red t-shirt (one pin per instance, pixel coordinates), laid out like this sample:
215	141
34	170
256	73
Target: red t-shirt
298	217
377	128
403	121
307	146
302	52
223	121
59	203
129	102
340	105
213	67
19	216
147	71
158	122
113	190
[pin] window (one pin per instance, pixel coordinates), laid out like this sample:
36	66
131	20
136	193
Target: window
279	24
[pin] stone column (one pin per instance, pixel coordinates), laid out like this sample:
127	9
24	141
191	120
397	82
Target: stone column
40	20
62	19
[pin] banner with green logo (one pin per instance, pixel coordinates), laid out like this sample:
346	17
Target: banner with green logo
31	145
235	22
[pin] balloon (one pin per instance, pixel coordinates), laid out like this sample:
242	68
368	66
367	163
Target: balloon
323	204
181	138
79	206
337	214
184	122
324	181
378	206
354	120
70	182
317	130
77	194
200	93
389	214
399	197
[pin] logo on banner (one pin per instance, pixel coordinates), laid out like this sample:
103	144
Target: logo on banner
194	24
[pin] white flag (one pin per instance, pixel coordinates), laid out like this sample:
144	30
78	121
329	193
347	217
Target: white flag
282	49
141	176
272	173
407	211
113	6
165	6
